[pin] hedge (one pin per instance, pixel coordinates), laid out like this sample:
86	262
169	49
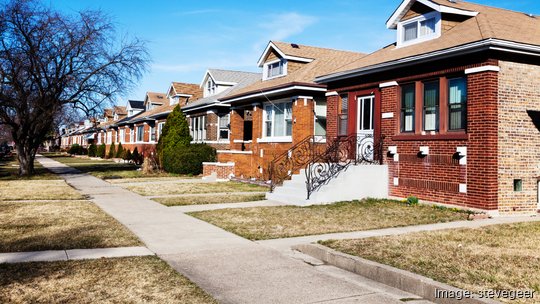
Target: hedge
188	159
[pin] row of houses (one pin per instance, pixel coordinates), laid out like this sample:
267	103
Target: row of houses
449	113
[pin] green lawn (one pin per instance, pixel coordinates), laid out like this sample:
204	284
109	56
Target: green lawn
288	221
502	257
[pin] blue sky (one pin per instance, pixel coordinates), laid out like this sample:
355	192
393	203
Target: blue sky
187	37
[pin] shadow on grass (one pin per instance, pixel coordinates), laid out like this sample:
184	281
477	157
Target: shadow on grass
9	170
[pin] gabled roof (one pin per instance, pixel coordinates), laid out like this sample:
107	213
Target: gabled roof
324	61
136	104
237	78
191	90
119	110
491	28
289	51
108	112
441	7
155	98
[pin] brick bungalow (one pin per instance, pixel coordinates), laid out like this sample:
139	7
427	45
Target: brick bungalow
143	129
209	120
456	101
285	106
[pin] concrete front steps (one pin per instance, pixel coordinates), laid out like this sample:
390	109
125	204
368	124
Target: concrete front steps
356	182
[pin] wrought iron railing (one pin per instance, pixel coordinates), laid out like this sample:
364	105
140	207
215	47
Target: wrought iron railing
341	152
294	159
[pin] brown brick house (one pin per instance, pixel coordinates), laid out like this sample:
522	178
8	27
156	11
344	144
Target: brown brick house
209	120
455	102
282	108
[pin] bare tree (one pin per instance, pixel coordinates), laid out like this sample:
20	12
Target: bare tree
50	60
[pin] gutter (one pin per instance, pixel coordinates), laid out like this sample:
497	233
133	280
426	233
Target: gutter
291	86
474	47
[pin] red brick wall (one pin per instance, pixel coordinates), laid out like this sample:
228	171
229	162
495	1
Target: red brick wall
223	171
437	176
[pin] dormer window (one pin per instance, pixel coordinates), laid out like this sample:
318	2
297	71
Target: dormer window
419	29
275	69
210	87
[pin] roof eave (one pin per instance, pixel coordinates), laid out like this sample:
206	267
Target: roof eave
482	45
291	86
392	22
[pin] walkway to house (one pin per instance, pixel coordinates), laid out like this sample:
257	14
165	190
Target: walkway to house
230	268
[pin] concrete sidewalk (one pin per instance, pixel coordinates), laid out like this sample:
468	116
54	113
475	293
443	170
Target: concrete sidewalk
230	268
73	254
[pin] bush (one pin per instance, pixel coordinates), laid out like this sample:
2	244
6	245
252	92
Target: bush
136	157
120	151
112	151
92	150
175	134
101	151
188	159
77	149
127	155
412	200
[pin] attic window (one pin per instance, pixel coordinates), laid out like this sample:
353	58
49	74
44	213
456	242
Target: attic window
275	69
419	29
210	87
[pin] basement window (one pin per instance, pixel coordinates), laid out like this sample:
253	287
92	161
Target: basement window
518	185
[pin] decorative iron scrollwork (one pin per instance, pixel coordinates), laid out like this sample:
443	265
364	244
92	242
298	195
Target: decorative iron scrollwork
339	155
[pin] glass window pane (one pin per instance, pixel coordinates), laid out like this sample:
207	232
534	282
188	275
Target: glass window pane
457	100
366	120
427	27
408	97
344	103
410	31
279	119
431	105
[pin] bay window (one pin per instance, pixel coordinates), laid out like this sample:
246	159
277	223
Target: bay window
198	128
277	119
152	133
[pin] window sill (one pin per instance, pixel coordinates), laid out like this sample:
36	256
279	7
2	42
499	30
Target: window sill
447	136
284	139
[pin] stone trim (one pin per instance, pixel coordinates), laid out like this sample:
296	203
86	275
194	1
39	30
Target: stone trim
486	68
388	84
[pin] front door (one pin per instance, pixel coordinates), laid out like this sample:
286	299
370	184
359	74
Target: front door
364	127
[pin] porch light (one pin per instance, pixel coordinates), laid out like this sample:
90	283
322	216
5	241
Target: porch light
424	151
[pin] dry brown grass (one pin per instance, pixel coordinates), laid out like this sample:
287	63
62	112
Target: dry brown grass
288	221
59	225
494	257
9	170
37	190
209	199
192	188
122	280
128	180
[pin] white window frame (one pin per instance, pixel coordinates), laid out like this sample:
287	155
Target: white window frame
137	133
267	65
160	129
198	128
132	134
228	118
419	38
210	87
152	132
122	135
109	137
272	137
99	138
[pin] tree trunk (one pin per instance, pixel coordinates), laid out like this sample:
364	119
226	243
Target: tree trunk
26	160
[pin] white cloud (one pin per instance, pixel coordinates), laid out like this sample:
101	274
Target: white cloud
286	25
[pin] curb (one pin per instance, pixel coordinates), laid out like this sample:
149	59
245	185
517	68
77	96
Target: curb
407	281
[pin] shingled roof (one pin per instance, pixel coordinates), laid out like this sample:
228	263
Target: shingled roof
491	25
241	80
188	89
323	61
